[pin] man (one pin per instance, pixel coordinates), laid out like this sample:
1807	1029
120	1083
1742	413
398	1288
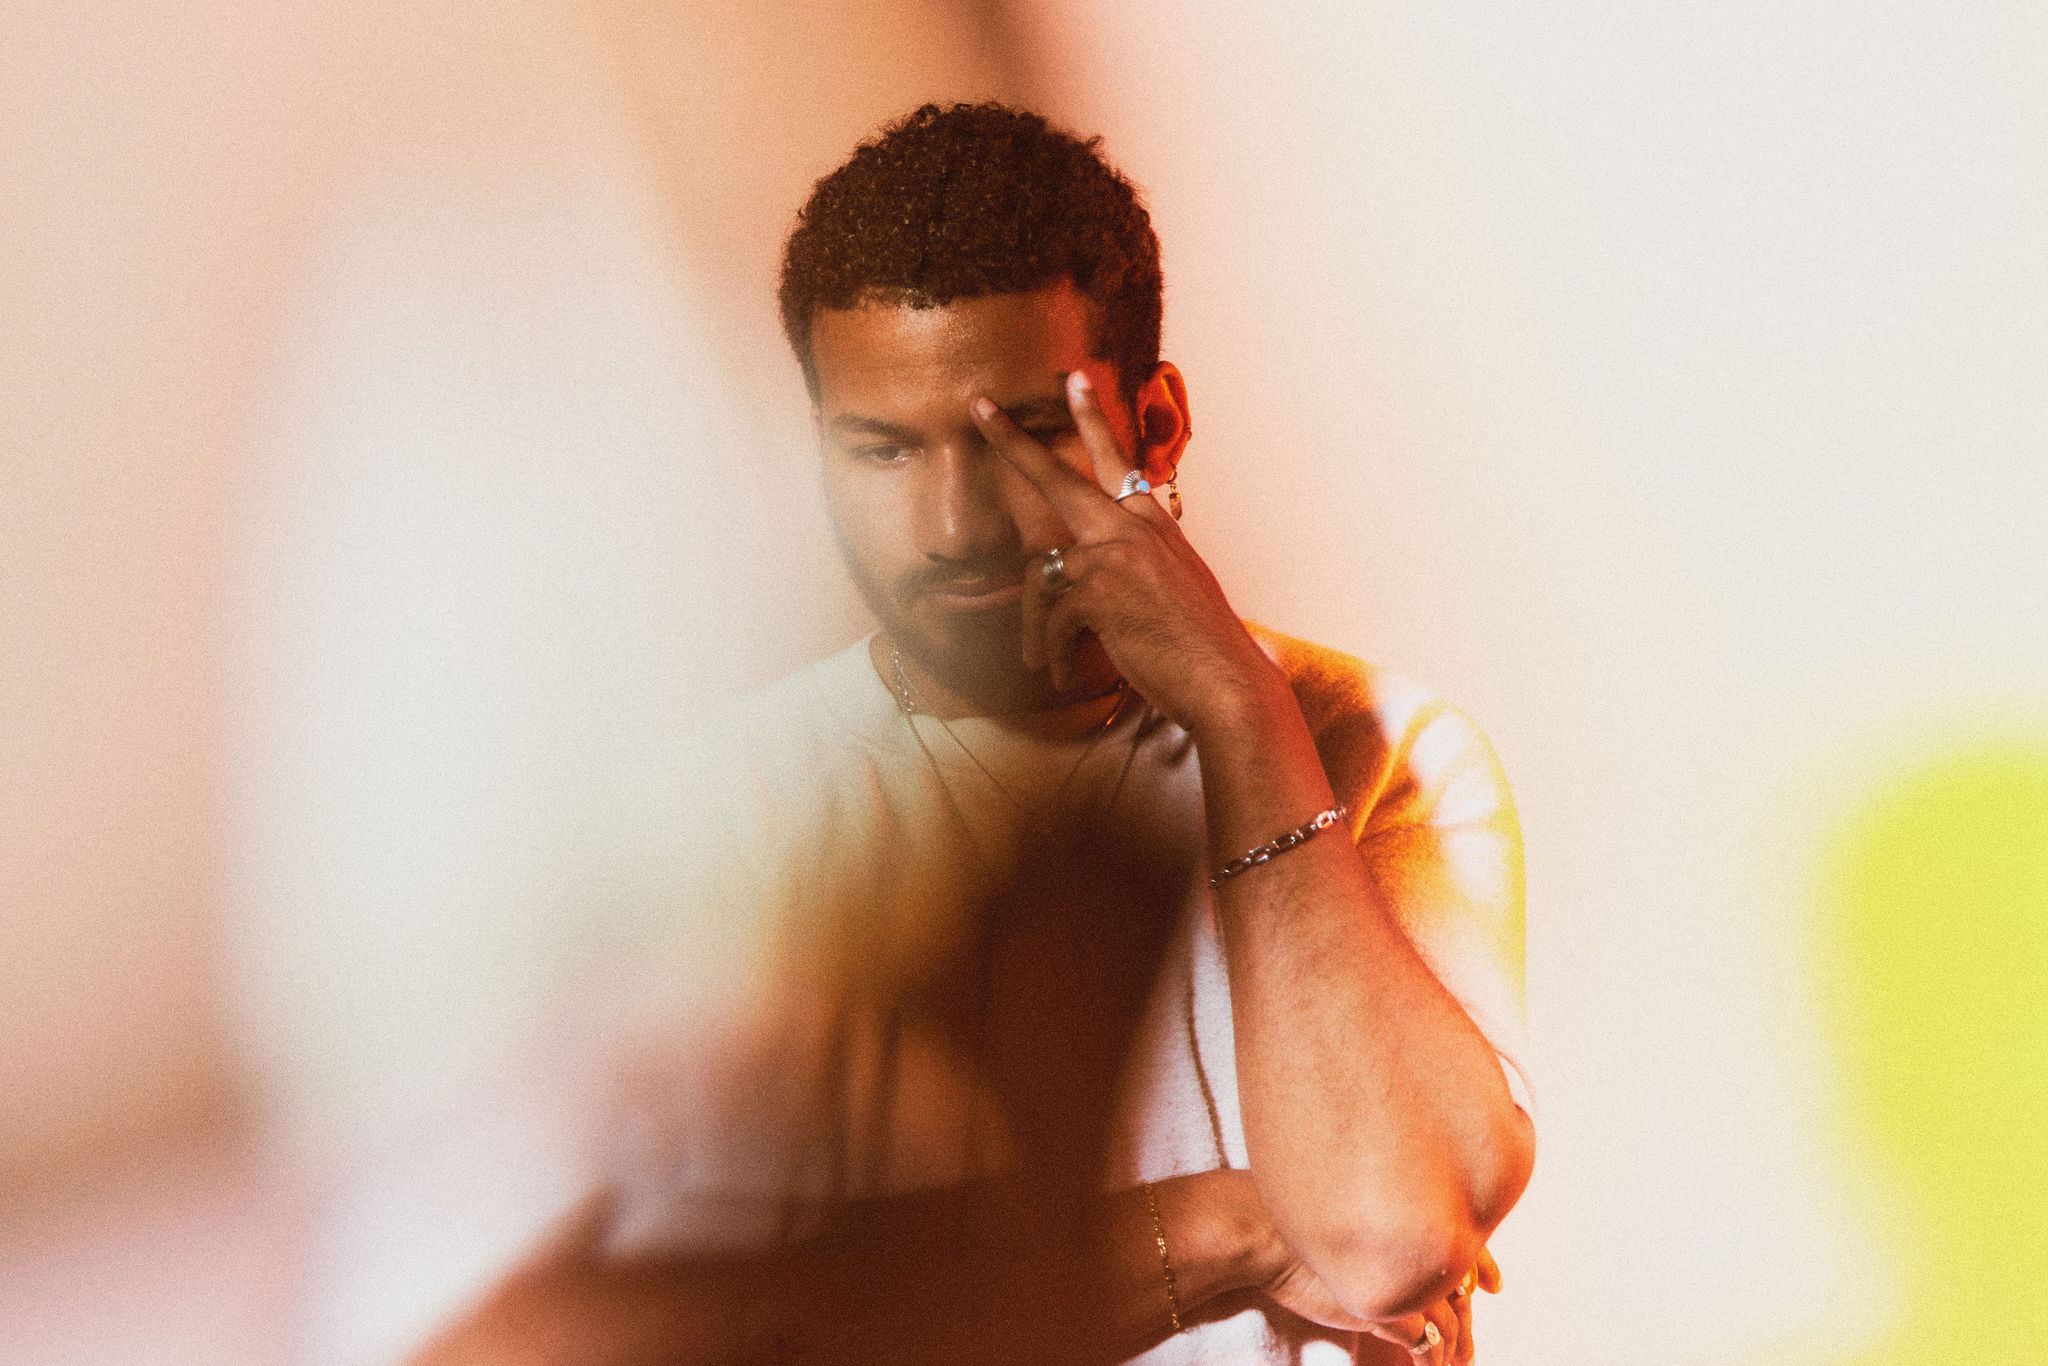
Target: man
1115	977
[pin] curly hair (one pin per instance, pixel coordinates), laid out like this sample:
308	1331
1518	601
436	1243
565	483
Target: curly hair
972	200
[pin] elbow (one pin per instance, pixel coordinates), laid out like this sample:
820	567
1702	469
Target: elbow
1406	1255
1502	1174
1384	1269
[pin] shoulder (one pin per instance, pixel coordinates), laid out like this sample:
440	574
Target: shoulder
739	794
739	814
827	712
1395	751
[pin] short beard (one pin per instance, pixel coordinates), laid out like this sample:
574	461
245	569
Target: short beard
984	664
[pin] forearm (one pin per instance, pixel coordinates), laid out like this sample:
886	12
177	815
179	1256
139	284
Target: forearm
581	1310
902	1281
1218	1242
1378	1123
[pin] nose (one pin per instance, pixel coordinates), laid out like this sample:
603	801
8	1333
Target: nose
969	502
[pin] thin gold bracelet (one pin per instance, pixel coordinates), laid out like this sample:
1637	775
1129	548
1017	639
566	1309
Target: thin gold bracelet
1165	1262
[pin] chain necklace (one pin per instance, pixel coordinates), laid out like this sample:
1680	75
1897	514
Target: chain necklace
906	702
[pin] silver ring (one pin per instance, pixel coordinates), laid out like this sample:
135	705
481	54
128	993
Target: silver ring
1432	1336
1053	570
1135	483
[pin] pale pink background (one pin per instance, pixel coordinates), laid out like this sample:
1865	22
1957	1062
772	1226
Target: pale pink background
395	433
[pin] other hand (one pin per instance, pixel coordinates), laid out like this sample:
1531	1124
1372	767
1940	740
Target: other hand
1296	1288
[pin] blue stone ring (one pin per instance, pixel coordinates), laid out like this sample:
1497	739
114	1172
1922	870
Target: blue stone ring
1135	483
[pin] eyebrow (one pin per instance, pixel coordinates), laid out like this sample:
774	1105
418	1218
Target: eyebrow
1025	411
852	424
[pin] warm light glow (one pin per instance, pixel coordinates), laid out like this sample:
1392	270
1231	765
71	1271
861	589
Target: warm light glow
399	451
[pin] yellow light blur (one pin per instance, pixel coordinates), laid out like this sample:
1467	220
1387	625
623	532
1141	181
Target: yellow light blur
1933	939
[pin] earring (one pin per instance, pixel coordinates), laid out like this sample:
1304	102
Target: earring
1173	488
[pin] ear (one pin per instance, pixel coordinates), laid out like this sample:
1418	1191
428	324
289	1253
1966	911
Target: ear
1160	414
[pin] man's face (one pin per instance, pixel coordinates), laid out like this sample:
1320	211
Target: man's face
937	528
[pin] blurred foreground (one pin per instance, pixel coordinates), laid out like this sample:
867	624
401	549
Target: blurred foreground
399	443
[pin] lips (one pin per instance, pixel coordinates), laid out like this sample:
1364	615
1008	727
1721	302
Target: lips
980	593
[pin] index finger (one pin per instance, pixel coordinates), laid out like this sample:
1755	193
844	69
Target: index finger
1086	508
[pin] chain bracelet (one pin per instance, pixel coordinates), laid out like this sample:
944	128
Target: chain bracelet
1165	1262
1272	849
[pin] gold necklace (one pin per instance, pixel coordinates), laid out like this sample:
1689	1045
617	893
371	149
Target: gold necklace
906	702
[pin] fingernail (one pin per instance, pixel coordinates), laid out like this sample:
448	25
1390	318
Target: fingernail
1078	382
984	409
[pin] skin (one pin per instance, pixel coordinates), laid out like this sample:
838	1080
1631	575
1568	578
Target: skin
936	532
959	445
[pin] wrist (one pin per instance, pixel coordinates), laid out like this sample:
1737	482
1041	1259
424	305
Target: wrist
1217	1234
1261	1254
1253	702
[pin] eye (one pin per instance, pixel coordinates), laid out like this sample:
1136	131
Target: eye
889	454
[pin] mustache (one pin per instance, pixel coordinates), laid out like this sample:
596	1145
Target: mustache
941	574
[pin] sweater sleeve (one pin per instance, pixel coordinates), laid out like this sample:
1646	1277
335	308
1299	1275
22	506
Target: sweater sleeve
1442	844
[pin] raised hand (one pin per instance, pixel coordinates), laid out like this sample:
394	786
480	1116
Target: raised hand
1130	577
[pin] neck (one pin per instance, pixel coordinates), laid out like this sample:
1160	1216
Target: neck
1094	696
